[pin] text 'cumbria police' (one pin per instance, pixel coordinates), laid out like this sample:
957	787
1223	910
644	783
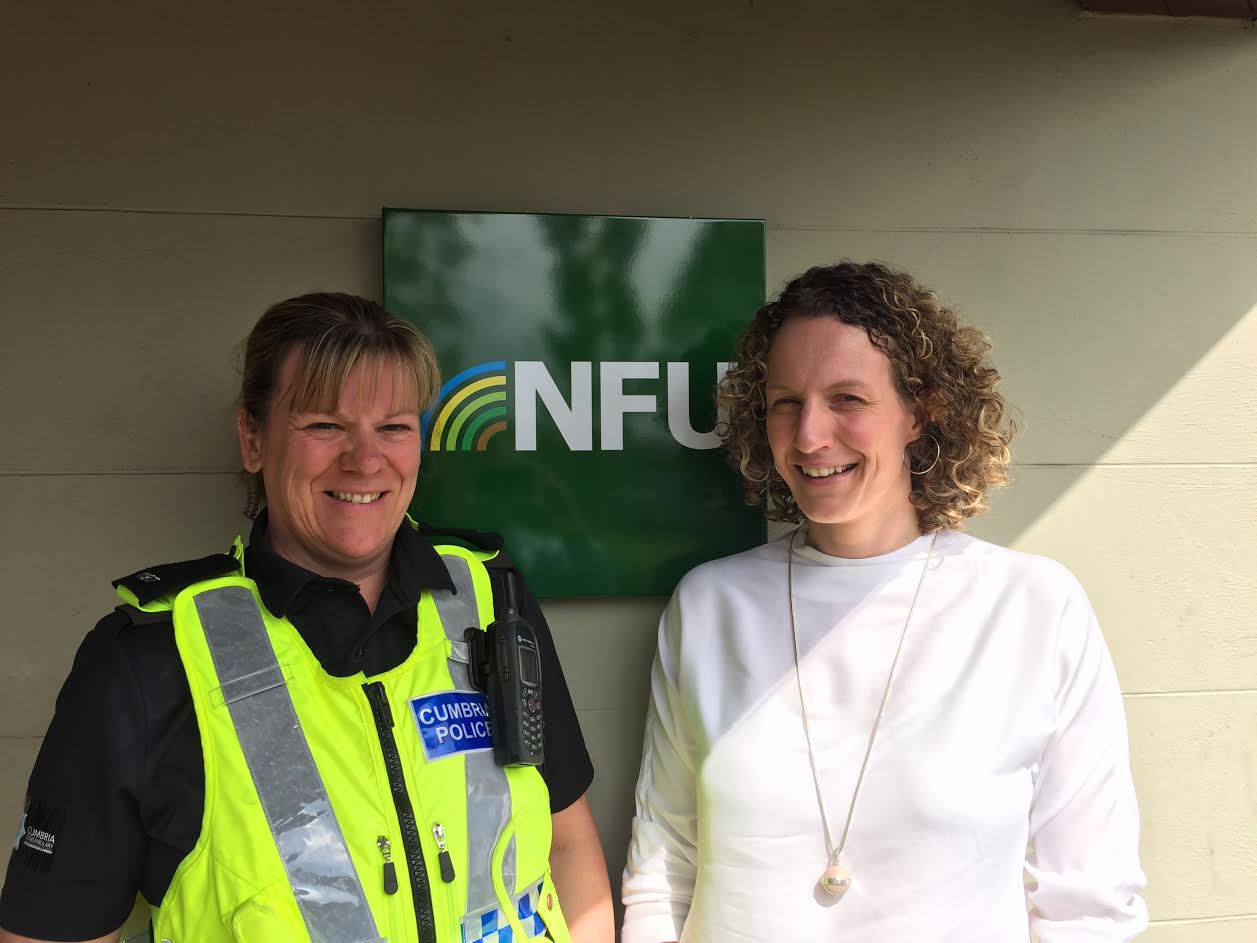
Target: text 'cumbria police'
472	407
452	722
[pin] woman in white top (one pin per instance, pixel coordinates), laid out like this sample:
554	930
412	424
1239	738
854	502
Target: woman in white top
879	729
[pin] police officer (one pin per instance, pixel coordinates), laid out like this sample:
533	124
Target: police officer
280	742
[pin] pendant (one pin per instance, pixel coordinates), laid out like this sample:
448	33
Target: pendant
837	879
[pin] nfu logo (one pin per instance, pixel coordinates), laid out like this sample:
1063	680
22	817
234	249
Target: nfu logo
472	407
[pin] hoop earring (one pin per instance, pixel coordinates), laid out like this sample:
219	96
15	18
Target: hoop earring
938	452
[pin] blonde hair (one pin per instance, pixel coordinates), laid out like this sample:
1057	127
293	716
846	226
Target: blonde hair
335	333
938	359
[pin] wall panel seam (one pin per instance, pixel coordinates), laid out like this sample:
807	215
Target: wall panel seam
1190	692
157	211
158	471
1134	464
1015	231
124	473
1185	921
772	227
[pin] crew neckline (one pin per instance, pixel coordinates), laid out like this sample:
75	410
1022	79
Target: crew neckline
916	549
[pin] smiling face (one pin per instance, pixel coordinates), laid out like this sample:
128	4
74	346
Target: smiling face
337	483
837	426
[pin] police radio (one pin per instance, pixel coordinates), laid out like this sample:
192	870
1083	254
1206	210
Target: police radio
505	663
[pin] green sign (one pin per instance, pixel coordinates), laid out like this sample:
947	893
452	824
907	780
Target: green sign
579	356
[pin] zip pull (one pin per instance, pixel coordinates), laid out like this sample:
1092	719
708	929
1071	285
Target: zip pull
390	872
447	863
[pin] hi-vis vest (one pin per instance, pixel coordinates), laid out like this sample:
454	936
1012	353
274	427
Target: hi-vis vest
352	810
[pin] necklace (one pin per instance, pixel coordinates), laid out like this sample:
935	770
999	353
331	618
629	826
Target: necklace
836	878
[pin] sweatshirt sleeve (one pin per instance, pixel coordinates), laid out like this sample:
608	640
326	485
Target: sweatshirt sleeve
1083	871
662	856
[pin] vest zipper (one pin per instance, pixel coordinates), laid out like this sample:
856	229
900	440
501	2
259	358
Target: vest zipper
443	854
420	890
390	872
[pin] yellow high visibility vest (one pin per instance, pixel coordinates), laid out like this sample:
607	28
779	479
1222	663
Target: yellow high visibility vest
352	810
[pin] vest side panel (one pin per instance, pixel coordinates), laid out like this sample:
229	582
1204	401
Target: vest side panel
530	824
235	860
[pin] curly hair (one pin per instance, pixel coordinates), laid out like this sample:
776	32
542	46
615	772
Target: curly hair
937	358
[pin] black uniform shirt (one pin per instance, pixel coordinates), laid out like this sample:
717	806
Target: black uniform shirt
117	793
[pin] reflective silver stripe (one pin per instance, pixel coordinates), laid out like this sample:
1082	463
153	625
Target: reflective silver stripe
488	793
292	793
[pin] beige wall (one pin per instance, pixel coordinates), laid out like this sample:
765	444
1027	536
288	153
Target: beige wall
1086	188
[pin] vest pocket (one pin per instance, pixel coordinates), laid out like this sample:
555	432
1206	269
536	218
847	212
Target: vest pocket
269	915
534	909
272	915
530	824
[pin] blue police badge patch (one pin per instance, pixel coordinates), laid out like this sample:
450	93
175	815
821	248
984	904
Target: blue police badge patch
452	722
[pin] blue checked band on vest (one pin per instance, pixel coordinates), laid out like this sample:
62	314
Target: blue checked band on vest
491	926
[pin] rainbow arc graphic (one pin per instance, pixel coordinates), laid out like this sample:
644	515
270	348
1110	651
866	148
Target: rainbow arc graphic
470	410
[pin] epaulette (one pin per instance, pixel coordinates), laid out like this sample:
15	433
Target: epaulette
485	540
136	616
168	579
502	561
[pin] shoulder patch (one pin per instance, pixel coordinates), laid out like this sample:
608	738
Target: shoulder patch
36	844
169	578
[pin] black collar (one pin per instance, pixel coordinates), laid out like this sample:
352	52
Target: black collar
413	566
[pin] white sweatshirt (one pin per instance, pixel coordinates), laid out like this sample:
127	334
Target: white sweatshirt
999	782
